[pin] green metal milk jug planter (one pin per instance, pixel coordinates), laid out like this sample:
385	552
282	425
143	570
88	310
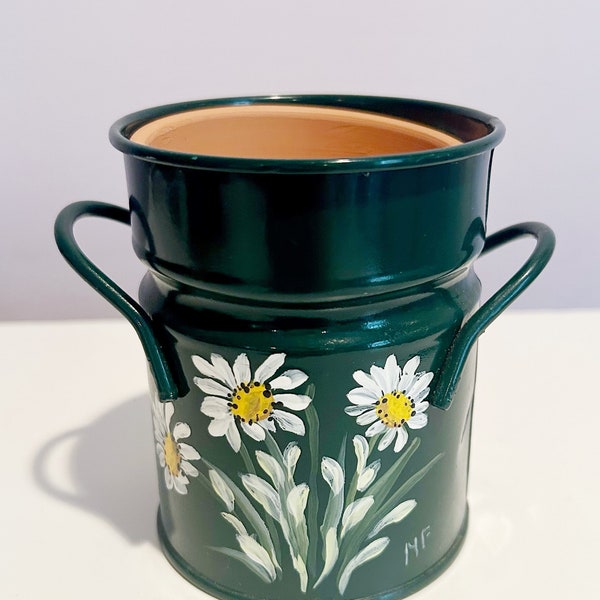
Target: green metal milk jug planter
310	317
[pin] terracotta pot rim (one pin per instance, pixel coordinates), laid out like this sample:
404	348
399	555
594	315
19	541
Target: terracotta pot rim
478	132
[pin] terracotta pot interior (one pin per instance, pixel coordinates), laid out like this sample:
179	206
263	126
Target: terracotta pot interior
276	131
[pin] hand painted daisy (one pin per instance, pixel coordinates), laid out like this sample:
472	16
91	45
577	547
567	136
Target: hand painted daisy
173	455
237	398
390	398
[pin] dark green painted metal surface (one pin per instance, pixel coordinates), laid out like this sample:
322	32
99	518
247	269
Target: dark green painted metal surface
311	327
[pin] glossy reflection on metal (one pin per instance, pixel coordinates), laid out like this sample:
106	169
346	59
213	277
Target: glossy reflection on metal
310	326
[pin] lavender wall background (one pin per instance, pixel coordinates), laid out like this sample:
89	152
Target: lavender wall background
69	69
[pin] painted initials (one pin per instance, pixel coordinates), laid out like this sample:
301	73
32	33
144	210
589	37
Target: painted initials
416	545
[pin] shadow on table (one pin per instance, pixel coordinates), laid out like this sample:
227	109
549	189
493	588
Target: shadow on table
110	463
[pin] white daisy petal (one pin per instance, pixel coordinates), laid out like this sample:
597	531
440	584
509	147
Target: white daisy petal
367	382
406	382
421	406
354	411
421	395
373	550
241	369
169	411
168	478
179	483
293	401
269	367
355	513
160	451
401	439
214	407
361	449
160	429
387	439
377	427
159	436
158	416
235	523
378	375
233	436
408	374
411	366
392	372
367	418
255	431
181	431
367	477
212	387
418	421
333	474
188	468
268	425
188	452
205	367
362	396
218	427
419	384
289	380
289	422
222	367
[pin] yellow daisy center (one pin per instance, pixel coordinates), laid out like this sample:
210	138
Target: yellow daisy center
172	456
394	409
251	402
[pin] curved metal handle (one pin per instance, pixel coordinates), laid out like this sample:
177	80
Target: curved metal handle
127	306
456	356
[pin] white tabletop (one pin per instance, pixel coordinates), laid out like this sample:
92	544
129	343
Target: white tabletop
79	492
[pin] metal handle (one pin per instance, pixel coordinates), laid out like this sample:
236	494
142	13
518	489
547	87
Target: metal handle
455	358
127	306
